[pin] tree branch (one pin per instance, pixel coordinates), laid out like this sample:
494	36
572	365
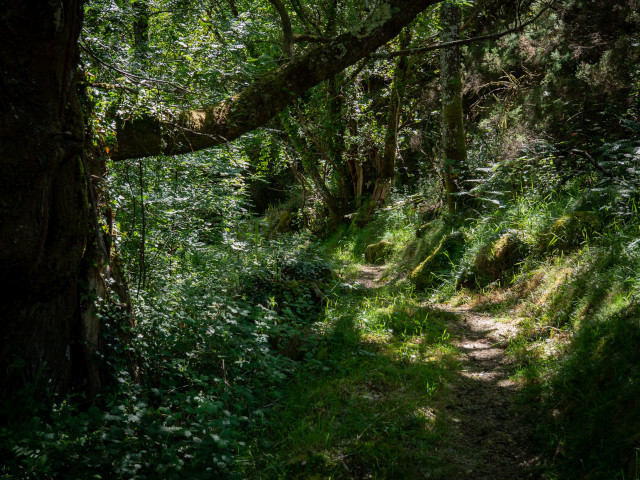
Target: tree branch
269	94
108	86
287	34
131	76
311	39
593	162
464	41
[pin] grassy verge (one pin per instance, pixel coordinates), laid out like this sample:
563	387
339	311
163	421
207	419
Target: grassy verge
574	285
366	406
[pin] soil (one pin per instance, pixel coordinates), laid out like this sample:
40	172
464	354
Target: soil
370	276
489	433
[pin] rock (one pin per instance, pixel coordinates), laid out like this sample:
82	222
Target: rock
440	261
423	229
362	215
378	252
569	231
496	261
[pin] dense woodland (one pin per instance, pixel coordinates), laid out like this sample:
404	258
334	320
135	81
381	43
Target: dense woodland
331	239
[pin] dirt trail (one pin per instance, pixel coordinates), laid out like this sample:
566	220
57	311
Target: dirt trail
490	437
370	276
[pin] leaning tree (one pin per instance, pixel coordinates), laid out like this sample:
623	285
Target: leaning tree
51	256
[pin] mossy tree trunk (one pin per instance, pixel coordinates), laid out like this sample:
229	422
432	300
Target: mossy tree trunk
454	146
386	166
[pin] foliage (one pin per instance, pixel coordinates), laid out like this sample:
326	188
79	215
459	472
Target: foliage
222	317
365	405
253	358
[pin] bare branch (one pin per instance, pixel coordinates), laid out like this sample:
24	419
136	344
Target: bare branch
465	41
287	34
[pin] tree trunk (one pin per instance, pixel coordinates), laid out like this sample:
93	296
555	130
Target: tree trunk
386	166
43	194
454	148
53	258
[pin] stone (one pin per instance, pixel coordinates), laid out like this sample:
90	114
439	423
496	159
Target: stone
497	260
569	231
440	261
378	252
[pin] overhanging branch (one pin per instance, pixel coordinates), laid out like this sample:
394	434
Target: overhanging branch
311	39
269	94
464	41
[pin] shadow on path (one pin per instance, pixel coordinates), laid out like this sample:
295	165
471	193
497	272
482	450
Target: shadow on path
490	436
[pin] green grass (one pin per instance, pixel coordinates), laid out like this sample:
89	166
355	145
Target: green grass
260	376
366	406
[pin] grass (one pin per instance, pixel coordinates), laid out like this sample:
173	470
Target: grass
248	385
576	350
366	407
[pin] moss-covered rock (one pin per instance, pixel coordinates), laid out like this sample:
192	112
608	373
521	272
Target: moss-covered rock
283	223
569	231
497	260
425	228
362	215
378	252
437	264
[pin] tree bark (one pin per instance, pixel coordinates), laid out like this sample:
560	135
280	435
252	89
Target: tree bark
43	194
54	264
454	147
287	34
387	162
202	128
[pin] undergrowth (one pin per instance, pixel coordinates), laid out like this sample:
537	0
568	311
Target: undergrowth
364	407
254	360
223	318
574	287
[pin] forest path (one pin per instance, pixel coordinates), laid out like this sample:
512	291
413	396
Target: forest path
489	436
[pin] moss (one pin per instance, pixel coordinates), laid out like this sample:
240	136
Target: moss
440	261
283	223
361	217
378	252
497	260
568	232
423	229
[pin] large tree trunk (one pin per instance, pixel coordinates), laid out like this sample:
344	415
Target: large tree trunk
202	128
54	263
454	147
43	194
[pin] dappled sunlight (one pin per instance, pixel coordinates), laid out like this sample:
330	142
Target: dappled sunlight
238	240
406	379
375	412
